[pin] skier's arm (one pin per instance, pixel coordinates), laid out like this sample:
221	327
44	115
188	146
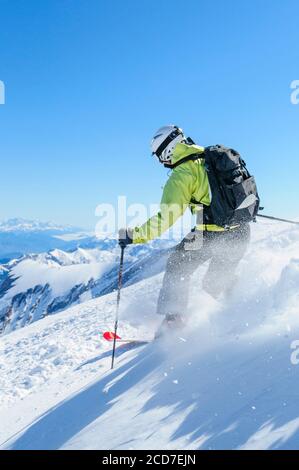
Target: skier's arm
175	200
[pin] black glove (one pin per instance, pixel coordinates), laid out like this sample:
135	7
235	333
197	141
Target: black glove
125	237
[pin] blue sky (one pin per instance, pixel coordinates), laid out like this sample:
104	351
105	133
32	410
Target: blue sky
88	82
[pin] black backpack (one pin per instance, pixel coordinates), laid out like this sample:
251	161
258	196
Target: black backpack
234	195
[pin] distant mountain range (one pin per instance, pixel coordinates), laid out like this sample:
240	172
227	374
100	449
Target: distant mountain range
24	225
21	236
35	286
56	267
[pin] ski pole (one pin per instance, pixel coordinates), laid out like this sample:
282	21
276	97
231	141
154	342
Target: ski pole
278	219
120	278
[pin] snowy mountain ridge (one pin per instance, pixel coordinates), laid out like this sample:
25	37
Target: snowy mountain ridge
37	285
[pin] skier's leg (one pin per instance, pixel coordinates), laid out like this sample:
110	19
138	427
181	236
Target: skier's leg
228	250
173	298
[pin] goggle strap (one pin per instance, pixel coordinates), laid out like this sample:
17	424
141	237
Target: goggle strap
167	141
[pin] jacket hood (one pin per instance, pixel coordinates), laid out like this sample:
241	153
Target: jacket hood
184	150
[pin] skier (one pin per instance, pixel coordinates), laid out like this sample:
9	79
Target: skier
192	184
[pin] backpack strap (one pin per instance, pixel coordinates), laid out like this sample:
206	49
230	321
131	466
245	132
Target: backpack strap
193	157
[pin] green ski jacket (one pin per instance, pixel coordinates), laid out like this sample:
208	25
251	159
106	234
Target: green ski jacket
188	181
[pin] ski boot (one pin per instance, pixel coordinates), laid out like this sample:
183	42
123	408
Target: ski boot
170	323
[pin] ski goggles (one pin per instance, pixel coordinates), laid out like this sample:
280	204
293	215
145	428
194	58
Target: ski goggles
167	141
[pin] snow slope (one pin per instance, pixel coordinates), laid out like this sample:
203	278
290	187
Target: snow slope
227	382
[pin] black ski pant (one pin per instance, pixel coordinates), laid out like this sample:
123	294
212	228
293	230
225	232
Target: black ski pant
224	250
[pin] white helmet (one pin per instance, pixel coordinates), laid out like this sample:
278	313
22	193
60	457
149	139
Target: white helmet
164	142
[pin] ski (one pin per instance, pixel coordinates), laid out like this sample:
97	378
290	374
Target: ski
109	336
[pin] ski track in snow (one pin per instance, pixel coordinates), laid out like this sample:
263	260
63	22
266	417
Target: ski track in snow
228	382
